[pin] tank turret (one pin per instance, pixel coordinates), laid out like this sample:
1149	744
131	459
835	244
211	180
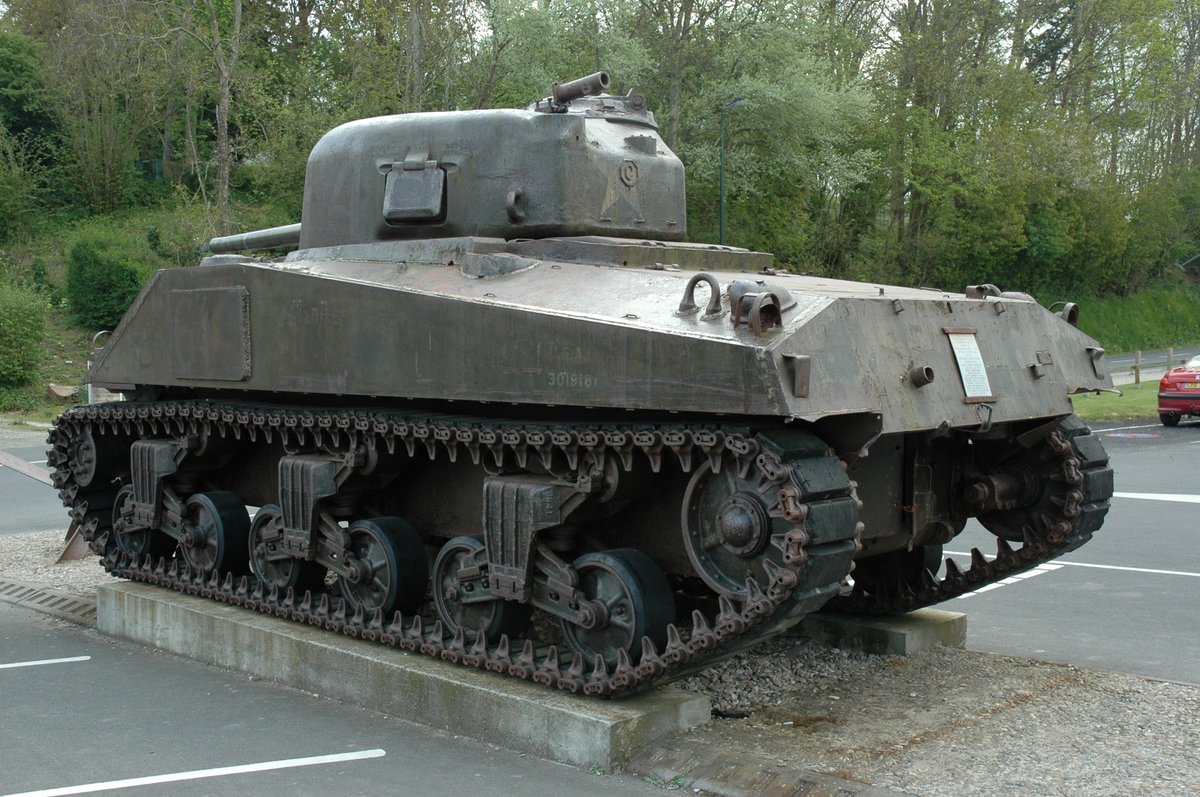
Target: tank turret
580	162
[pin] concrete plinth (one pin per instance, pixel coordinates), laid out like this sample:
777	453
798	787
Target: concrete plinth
901	635
500	710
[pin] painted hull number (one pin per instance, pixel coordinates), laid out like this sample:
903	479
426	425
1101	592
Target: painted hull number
570	379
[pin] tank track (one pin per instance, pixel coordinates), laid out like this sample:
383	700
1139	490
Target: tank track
1058	526
815	554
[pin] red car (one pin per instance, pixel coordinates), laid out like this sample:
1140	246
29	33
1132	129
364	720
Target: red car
1179	392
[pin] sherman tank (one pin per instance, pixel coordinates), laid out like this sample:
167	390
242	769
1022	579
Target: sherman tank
491	407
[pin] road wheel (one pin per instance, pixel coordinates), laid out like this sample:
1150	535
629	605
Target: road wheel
388	570
635	599
493	617
215	532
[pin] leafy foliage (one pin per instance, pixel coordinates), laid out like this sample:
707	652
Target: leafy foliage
103	279
20	184
1048	147
22	328
25	104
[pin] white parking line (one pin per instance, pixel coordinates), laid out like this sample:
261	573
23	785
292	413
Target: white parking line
1183	499
1035	571
196	774
1126	428
40	662
1060	563
1133	569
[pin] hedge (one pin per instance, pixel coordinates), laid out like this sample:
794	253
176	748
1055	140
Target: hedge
22	330
103	279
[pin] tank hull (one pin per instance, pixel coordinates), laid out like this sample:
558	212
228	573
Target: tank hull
379	322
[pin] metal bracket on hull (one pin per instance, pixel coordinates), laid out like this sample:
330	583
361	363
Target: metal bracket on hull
1096	354
307	526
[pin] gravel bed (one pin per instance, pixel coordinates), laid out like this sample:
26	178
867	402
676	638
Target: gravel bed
22	435
955	722
30	558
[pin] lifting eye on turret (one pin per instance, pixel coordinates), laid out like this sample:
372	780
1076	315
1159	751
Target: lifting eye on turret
1067	311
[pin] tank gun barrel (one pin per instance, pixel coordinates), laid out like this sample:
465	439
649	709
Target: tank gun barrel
595	83
285	237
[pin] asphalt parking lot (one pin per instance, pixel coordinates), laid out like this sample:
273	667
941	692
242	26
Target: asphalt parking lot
80	714
1126	601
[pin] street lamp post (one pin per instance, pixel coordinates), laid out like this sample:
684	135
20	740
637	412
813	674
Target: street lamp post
735	102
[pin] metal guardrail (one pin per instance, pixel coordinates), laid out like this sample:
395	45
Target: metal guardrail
1145	367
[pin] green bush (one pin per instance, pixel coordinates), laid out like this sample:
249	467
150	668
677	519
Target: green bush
22	328
103	279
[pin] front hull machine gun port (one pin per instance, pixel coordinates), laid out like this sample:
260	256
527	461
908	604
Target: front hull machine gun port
492	408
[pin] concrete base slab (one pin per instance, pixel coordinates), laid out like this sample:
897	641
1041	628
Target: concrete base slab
500	710
908	633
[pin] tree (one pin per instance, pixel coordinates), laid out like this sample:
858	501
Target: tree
794	148
25	104
21	186
96	56
223	41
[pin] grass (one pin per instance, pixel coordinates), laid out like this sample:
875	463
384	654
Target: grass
1155	318
1134	402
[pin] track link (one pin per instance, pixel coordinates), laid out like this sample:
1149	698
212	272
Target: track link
814	554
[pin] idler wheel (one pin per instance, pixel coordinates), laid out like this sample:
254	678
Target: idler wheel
273	568
634	600
727	529
1055	489
93	461
386	566
452	593
136	540
215	532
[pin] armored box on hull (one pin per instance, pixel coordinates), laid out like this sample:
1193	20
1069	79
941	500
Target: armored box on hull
491	384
